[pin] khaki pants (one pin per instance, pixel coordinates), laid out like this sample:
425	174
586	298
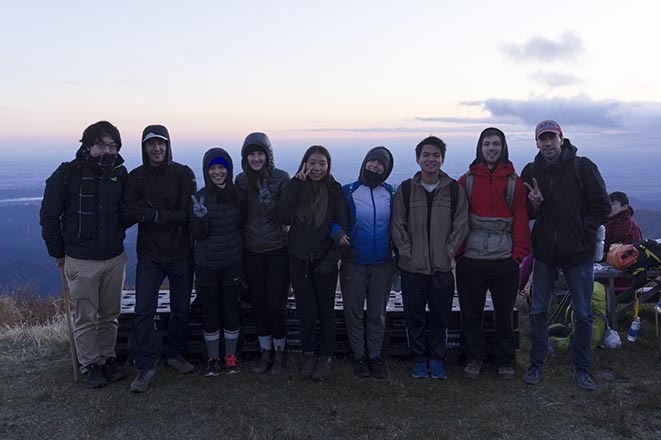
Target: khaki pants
96	292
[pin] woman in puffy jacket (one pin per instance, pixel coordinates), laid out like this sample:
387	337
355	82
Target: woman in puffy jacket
311	202
217	223
266	259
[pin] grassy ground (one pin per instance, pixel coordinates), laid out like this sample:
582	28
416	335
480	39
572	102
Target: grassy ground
38	399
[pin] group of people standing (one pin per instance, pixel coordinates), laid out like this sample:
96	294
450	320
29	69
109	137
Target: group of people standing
269	231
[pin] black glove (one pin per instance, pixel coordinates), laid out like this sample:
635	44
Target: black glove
264	196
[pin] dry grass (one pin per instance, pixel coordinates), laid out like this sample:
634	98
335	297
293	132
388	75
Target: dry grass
38	399
21	305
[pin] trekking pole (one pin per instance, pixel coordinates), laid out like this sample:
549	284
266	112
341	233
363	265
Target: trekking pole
72	346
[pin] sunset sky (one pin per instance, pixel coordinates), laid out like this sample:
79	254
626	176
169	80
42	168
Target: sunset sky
338	73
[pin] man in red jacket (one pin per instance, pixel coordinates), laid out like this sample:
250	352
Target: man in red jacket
498	239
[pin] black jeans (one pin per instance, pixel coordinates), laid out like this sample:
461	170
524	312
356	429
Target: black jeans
220	291
436	291
501	277
148	279
267	275
315	303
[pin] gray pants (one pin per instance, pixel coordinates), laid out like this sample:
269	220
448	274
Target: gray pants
360	282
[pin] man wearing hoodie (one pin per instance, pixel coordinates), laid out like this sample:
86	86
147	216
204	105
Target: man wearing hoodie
498	239
158	198
83	230
429	223
266	256
366	270
568	200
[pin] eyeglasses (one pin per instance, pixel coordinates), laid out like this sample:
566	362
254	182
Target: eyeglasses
103	146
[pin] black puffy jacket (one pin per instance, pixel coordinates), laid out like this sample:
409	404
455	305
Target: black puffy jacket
80	213
263	233
219	234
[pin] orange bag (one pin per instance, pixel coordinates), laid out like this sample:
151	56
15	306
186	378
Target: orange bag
622	255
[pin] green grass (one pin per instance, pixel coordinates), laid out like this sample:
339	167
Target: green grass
38	399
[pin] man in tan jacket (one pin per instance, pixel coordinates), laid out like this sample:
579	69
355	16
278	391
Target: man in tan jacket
429	223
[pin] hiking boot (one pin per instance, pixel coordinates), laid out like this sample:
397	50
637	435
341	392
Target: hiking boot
264	362
377	367
181	365
506	373
141	383
584	379
323	368
420	370
230	364
279	364
533	376
213	367
94	377
360	367
111	371
437	370
309	363
472	370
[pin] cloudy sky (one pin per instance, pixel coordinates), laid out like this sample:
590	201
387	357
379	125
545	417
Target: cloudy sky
339	73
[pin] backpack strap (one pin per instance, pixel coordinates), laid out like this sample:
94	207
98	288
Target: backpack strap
406	192
511	185
454	195
509	198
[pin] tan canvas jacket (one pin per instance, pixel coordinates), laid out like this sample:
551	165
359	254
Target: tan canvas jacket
428	250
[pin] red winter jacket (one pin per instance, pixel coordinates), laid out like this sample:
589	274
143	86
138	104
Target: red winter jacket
488	200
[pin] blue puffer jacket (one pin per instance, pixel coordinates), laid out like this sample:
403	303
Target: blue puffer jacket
369	215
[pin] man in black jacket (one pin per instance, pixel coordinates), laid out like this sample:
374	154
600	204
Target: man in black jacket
81	225
568	200
158	198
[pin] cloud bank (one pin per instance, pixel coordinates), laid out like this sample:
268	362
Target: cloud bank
568	47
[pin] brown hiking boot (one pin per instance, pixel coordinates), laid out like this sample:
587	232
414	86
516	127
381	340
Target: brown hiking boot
323	368
309	363
279	365
472	370
264	362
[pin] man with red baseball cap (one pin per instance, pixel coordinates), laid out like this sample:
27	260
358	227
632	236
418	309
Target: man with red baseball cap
568	200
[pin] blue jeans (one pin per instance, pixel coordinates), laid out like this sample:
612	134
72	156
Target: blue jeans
580	280
149	276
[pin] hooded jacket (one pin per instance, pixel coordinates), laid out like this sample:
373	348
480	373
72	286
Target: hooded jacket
159	200
370	206
428	238
564	231
262	233
219	234
496	229
80	213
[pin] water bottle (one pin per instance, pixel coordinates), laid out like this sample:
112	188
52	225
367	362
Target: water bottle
600	236
634	329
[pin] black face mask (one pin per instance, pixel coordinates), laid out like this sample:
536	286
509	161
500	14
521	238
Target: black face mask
106	160
372	178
